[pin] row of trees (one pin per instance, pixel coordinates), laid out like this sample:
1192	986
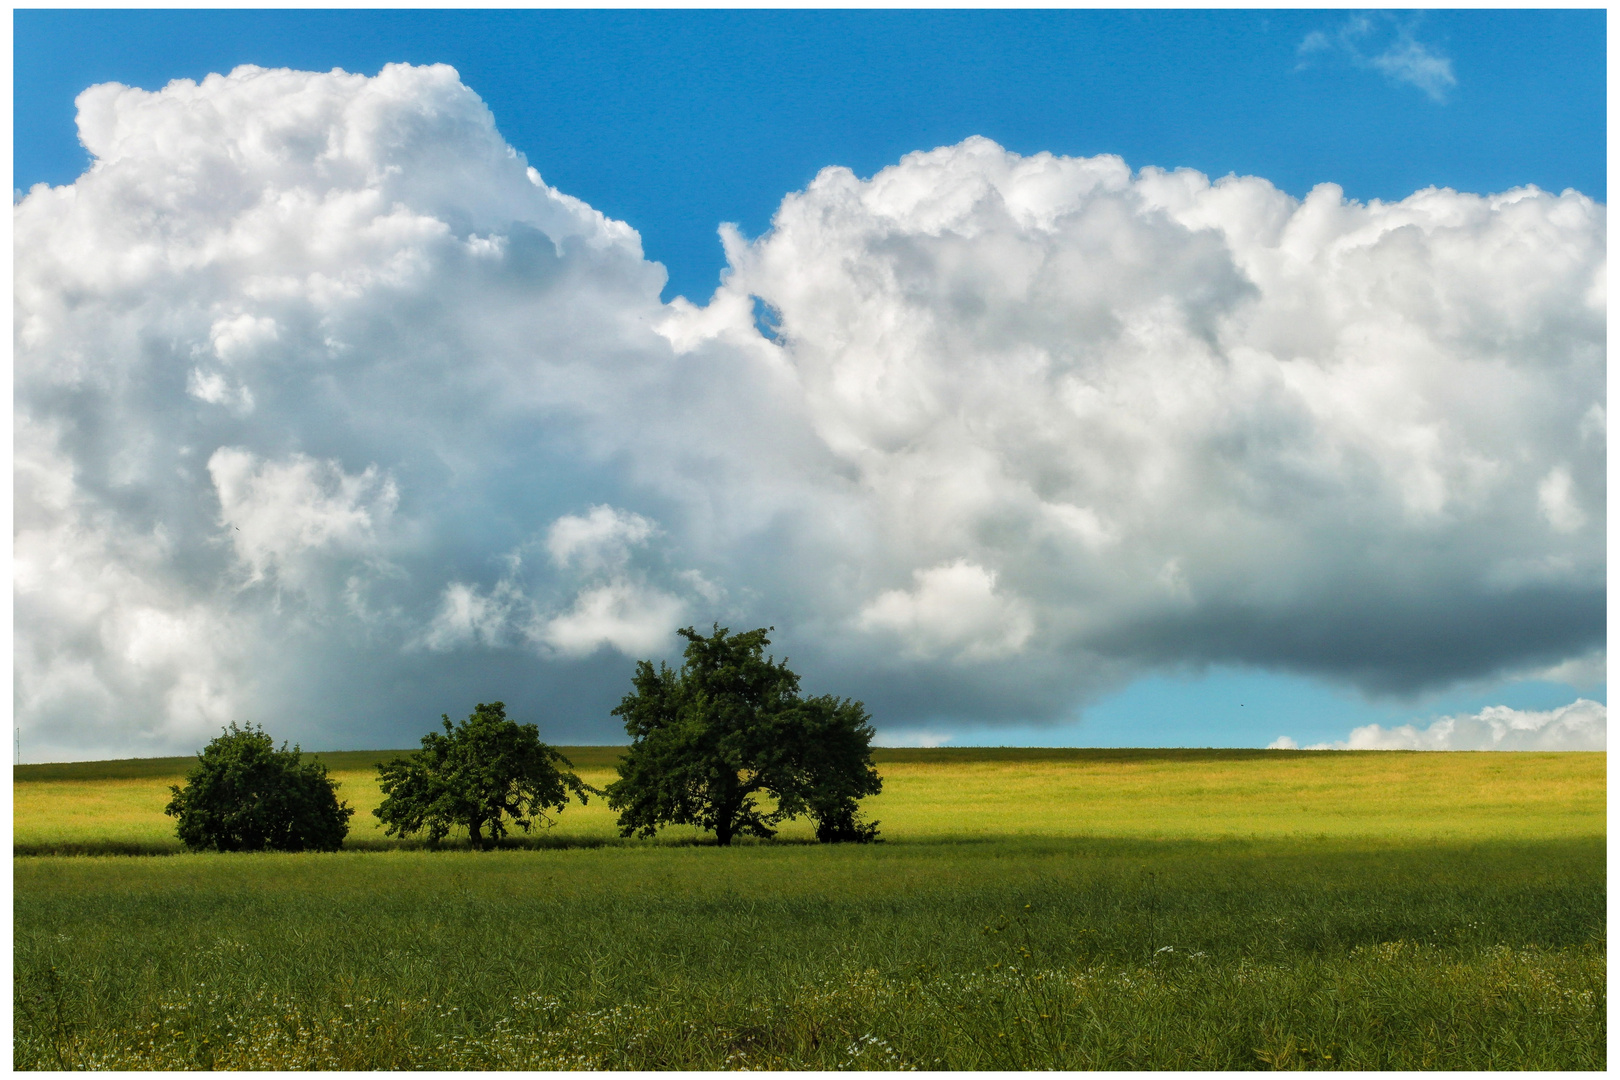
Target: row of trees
711	741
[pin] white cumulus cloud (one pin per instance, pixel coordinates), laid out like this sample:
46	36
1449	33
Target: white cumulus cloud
1204	419
468	617
952	609
599	539
274	512
623	614
1580	725
327	407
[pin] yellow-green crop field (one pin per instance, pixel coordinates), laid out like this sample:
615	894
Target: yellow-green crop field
974	793
1067	909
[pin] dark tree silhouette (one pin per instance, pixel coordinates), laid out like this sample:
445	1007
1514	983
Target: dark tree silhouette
730	726
477	774
245	795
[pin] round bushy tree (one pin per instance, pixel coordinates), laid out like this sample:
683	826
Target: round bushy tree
245	795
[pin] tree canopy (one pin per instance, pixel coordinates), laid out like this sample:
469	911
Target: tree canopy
708	740
245	795
476	775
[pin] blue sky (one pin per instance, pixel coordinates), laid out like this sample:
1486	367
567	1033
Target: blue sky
675	122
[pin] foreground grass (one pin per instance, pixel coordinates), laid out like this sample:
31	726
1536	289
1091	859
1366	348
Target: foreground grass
1047	952
117	807
1031	909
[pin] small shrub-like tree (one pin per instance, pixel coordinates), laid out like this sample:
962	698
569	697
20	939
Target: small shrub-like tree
245	795
476	775
708	740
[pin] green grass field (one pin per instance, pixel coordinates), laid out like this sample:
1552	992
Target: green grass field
1029	909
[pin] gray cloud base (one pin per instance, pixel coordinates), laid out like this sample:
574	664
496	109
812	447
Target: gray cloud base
331	414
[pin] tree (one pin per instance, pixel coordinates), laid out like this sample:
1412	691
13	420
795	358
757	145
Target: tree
245	795
709	740
478	773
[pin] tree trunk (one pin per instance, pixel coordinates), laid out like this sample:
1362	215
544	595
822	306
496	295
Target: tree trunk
475	833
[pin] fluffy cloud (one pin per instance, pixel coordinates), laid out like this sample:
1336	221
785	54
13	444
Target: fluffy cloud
330	413
1580	725
614	602
631	618
1207	421
293	358
467	618
278	513
600	539
953	609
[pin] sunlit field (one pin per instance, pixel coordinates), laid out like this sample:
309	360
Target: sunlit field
1028	909
117	807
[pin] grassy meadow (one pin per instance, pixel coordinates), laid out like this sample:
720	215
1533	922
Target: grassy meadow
1065	909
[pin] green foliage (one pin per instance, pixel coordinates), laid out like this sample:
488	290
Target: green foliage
477	774
709	740
245	795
